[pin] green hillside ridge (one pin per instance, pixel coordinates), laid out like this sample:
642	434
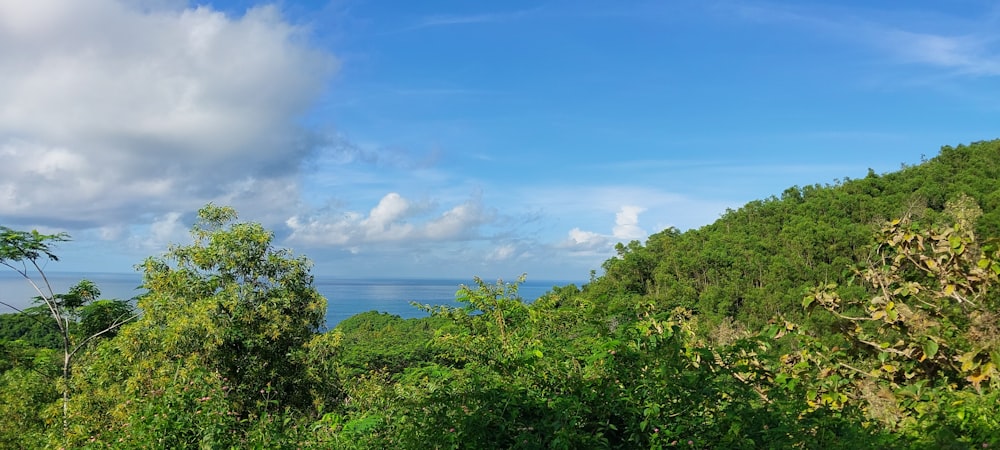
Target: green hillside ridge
754	262
862	314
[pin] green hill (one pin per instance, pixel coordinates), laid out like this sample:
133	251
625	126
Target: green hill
755	262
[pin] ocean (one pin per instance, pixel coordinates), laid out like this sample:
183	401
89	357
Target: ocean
345	297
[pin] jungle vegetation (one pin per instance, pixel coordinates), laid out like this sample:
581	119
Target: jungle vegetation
859	314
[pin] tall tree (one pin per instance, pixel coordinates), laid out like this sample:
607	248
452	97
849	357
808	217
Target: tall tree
24	252
233	304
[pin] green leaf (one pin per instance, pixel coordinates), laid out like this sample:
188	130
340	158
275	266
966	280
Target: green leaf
930	348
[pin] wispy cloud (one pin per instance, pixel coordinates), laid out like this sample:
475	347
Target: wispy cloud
964	46
971	54
440	91
447	20
441	20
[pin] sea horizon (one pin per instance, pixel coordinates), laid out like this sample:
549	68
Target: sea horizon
346	296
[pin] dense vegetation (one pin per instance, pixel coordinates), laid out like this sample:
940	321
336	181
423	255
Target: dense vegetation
859	314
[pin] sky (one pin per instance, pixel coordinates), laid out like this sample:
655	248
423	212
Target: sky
450	139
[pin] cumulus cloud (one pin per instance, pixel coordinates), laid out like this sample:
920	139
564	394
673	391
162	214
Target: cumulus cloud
626	229
393	219
627	223
587	240
384	222
111	110
459	222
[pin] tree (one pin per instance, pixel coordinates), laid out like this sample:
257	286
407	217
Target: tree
926	336
488	327
100	314
32	326
23	252
230	303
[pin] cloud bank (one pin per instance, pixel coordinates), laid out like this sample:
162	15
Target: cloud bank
394	219
110	111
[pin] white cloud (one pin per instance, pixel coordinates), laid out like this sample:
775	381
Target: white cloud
587	240
112	111
164	230
319	231
627	223
458	222
384	222
503	252
390	221
626	229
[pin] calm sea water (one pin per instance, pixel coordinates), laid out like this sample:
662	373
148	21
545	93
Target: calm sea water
345	297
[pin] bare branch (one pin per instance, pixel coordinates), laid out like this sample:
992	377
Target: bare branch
117	323
22	312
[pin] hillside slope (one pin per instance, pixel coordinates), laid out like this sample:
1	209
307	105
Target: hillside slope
755	262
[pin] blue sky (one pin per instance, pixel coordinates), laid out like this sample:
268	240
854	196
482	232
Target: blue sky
450	139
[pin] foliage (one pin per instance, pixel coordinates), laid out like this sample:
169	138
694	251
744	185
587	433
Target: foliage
753	262
33	326
24	395
382	342
24	252
926	341
236	304
220	355
648	383
101	315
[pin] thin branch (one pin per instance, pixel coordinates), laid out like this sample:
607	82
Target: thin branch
113	325
30	316
49	300
852	319
721	363
847	366
885	349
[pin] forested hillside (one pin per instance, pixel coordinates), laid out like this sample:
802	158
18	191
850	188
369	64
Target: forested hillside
862	314
754	262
